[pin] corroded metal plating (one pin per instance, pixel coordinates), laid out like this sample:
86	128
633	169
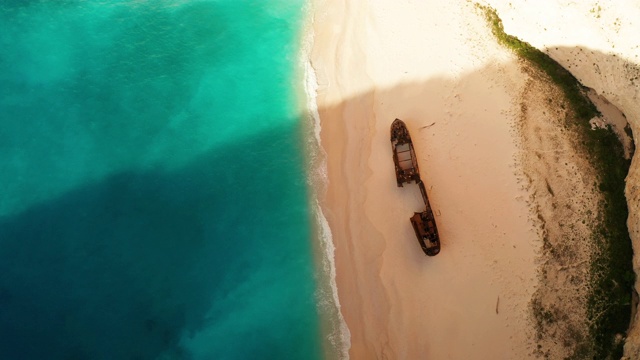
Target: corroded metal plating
406	164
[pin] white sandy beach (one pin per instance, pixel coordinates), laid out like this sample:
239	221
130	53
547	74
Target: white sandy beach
436	66
475	115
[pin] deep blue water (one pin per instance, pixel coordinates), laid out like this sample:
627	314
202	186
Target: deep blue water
153	201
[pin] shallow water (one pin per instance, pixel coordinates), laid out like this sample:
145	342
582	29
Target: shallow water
154	201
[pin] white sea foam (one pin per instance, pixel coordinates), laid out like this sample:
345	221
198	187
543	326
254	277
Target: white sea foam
327	293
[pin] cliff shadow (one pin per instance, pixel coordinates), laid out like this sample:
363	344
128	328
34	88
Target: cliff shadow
453	123
150	263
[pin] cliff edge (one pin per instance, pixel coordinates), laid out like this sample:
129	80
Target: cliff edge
596	42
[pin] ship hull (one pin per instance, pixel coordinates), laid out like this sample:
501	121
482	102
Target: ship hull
407	171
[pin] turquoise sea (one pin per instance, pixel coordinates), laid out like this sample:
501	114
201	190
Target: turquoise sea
153	196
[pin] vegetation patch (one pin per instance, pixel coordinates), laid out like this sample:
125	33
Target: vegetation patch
611	273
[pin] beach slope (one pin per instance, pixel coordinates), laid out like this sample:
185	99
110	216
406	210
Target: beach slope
436	66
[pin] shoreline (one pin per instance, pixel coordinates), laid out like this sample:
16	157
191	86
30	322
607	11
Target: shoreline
335	336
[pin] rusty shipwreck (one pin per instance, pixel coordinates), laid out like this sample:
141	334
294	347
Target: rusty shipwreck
406	165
